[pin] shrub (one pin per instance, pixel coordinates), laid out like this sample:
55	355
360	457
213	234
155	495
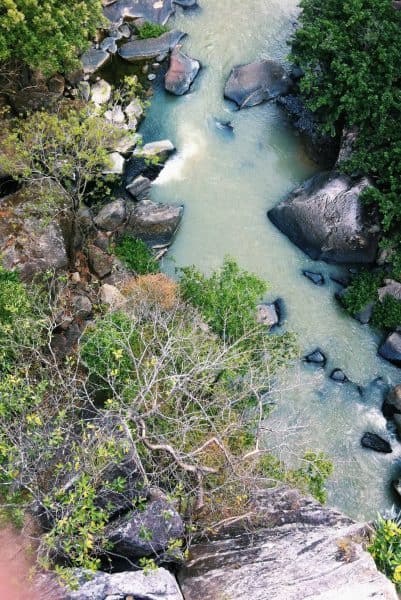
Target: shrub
387	313
151	30
136	255
386	548
362	290
47	35
227	299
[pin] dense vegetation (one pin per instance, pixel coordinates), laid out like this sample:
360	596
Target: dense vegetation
350	52
47	34
386	548
151	30
136	255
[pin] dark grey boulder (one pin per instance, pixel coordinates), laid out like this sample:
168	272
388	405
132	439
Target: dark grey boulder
93	59
139	50
392	402
376	443
297	549
146	532
316	278
396	484
327	220
135	585
111	216
252	84
321	148
148	10
316	357
339	376
154	223
181	73
391	348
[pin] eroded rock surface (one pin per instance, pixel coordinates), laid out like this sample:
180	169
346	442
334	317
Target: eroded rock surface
327	220
300	550
252	84
181	73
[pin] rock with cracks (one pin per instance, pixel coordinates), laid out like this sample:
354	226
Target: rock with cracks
327	220
295	550
252	84
139	50
154	223
181	73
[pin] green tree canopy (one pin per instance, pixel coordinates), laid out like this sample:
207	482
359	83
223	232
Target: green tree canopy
47	34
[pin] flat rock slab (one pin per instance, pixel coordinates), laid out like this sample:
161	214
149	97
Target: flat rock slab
252	84
160	585
299	550
139	50
155	11
181	73
327	220
93	59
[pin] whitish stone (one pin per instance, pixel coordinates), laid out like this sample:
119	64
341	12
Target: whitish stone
112	296
117	163
101	92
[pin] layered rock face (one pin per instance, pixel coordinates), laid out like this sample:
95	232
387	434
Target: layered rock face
298	550
326	219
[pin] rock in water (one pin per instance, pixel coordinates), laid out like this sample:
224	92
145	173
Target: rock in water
159	584
375	442
316	357
316	278
298	550
155	12
391	348
392	403
327	220
252	84
139	50
181	73
339	376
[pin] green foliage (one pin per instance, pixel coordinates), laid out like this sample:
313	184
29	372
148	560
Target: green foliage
136	255
387	313
76	145
350	52
227	299
311	477
386	548
18	320
362	290
151	30
48	34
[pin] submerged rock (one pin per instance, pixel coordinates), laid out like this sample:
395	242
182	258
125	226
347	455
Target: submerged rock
316	278
375	442
160	584
316	357
181	73
252	84
339	376
391	348
224	125
154	223
296	549
139	50
327	220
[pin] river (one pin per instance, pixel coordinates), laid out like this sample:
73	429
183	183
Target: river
227	183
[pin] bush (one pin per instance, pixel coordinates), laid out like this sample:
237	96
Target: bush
136	255
48	35
387	313
386	548
151	30
350	52
227	299
362	290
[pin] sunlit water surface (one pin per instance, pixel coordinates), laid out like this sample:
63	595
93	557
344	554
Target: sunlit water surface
227	183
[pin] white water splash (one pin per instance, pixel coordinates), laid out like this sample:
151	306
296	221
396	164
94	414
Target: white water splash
175	169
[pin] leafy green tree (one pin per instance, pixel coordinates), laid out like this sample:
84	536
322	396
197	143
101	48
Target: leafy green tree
350	51
47	34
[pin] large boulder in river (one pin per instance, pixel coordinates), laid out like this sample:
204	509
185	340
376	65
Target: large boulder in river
297	549
181	73
154	223
327	220
139	50
160	584
252	84
391	348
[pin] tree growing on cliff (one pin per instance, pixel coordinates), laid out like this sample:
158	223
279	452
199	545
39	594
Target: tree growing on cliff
47	34
61	159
